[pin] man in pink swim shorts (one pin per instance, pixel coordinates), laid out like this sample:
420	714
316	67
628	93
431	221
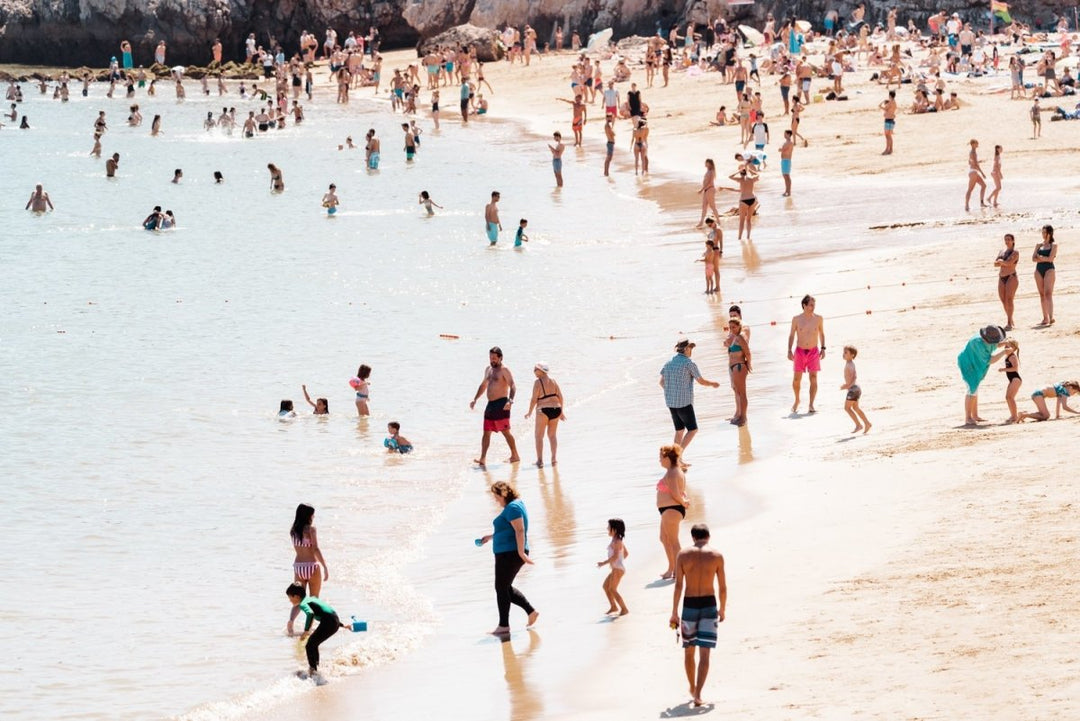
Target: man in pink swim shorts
808	328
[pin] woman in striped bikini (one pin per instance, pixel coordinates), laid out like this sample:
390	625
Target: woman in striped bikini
309	559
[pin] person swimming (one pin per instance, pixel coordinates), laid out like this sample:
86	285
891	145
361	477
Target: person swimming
396	443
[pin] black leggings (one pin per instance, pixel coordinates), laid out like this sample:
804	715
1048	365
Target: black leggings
323	631
507	566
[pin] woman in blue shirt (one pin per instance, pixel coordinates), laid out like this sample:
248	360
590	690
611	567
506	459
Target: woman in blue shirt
511	546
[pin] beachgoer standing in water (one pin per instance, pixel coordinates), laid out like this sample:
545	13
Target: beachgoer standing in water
309	567
609	133
556	158
616	552
491	218
809	328
39	200
510	544
359	383
975	176
671	503
677	379
329	623
499	384
548	400
695	570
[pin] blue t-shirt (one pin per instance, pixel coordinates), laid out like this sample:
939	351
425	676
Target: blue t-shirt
505	539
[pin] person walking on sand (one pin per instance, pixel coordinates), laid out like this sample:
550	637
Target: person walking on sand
609	133
547	399
976	358
1008	281
556	157
1036	119
39	200
695	570
491	218
499	384
854	392
975	176
1011	369
616	552
888	108
671	503
677	379
309	566
510	545
808	328
1046	273
707	191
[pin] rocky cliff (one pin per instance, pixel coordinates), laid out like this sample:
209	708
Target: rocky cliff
88	32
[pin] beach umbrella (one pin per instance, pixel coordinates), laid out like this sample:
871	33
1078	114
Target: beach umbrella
752	36
599	40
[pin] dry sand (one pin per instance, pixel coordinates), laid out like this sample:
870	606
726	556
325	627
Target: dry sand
922	571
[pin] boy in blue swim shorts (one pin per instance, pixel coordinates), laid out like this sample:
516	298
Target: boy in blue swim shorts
491	218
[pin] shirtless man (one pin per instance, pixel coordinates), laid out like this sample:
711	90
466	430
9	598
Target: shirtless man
809	327
491	218
580	116
804	73
696	567
39	200
499	384
888	107
111	165
785	161
556	158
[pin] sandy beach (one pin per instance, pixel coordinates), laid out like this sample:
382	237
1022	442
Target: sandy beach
921	571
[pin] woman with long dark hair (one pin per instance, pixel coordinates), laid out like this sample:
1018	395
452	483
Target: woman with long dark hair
309	566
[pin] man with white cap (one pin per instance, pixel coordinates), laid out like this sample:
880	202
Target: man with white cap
677	379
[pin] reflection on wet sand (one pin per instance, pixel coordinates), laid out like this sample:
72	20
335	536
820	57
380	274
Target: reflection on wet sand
746	448
750	256
561	527
525	702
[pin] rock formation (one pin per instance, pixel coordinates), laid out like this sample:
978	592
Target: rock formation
88	32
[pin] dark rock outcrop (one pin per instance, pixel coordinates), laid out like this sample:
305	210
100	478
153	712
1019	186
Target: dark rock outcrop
88	32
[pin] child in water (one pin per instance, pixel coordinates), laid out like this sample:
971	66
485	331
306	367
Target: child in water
321	405
330	200
520	237
329	623
428	203
616	551
854	393
396	443
286	410
360	385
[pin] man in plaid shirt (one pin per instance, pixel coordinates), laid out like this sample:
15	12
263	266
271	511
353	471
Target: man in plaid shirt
677	379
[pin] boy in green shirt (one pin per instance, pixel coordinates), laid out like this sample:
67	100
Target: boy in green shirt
329	623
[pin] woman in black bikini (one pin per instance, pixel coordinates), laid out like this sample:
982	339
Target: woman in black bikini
1045	273
1011	369
671	501
746	179
547	399
1007	279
